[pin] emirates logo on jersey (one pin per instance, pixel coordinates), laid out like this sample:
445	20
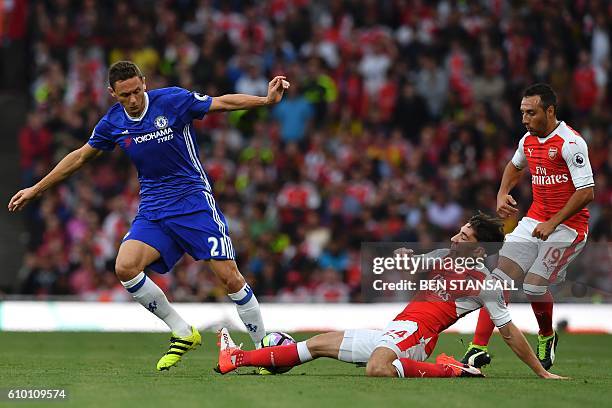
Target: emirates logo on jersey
542	178
552	153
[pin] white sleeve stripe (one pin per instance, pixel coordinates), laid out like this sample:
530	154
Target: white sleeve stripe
585	186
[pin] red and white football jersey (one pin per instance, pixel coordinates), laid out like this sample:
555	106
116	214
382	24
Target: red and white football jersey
559	165
439	309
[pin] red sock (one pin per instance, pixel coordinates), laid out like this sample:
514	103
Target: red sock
484	328
543	309
278	356
413	368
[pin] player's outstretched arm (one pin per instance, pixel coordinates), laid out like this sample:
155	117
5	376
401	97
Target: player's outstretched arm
68	165
506	205
231	102
518	343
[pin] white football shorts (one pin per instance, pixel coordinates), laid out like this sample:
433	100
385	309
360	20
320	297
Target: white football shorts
548	259
358	345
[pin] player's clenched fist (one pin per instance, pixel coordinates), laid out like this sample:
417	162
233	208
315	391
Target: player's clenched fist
543	230
276	88
506	206
22	197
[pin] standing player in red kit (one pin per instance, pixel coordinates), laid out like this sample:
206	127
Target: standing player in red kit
554	231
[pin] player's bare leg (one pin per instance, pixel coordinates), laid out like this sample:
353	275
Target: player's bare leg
325	345
133	257
242	294
536	289
477	353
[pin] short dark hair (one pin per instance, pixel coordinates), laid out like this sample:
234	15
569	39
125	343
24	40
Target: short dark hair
548	97
122	70
488	230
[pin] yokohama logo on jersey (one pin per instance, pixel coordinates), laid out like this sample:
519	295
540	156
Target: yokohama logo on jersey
153	135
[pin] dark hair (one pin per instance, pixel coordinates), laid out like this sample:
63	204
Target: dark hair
489	230
122	70
546	93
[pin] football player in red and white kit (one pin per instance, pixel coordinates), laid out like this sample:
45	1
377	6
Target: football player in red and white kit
400	350
554	231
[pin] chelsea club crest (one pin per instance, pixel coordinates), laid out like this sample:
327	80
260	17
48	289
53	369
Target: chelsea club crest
161	122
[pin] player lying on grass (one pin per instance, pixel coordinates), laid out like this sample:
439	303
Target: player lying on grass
400	350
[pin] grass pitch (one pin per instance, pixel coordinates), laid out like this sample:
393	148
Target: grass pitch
118	370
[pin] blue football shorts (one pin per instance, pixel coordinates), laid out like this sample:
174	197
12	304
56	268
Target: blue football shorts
204	235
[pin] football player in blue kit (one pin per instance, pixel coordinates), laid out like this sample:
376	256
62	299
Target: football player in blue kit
178	213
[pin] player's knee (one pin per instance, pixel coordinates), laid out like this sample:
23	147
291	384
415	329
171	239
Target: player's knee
126	270
379	369
233	285
510	268
535	285
230	278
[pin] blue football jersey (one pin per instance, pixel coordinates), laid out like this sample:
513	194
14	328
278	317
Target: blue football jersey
161	144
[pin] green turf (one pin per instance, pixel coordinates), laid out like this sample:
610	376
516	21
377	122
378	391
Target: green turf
113	369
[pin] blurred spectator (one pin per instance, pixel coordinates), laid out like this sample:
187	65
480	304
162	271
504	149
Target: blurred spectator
443	213
294	113
411	112
432	84
35	145
374	66
584	84
331	289
293	291
252	82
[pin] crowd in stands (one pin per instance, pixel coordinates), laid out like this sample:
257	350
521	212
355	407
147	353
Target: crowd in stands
400	118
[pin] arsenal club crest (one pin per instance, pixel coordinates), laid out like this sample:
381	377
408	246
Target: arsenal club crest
552	153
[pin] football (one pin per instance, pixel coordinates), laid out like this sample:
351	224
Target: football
275	339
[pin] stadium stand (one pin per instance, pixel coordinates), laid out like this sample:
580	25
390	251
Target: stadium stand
400	119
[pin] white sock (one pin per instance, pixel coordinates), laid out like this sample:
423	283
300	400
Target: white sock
248	310
148	294
303	352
